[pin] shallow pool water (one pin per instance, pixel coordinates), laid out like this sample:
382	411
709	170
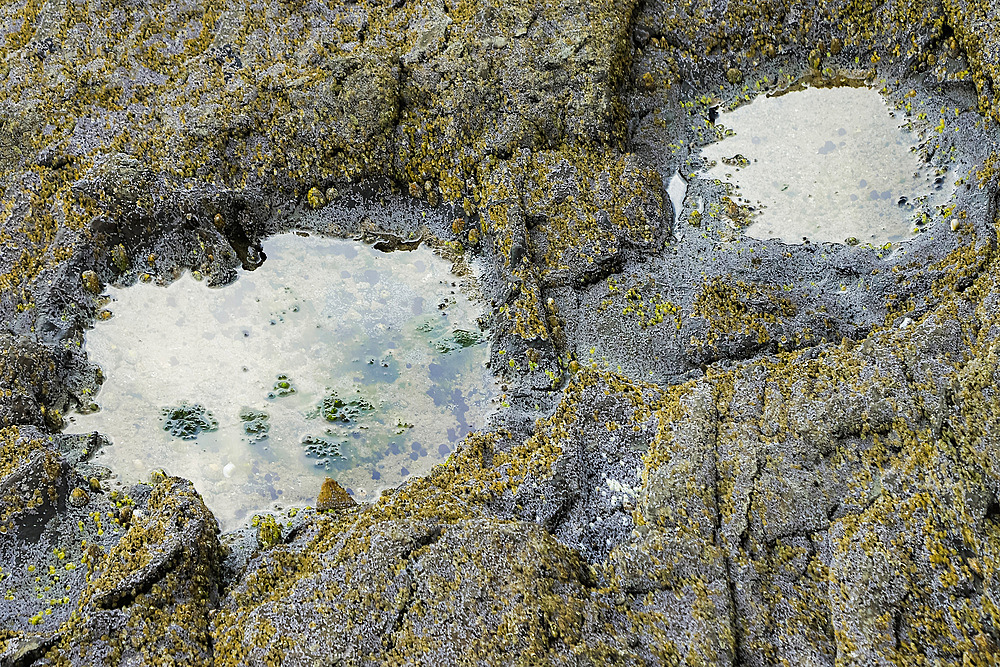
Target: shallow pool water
823	164
330	359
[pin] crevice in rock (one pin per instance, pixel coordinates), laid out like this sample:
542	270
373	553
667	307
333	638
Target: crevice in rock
139	581
403	608
993	512
717	533
28	651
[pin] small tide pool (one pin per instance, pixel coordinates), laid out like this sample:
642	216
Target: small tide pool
331	359
824	165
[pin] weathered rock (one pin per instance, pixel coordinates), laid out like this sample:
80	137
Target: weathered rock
811	477
160	579
332	496
37	552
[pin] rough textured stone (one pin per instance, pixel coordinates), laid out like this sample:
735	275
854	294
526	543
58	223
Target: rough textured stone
714	450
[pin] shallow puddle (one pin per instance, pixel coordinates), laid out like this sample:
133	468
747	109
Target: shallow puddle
330	359
824	164
677	190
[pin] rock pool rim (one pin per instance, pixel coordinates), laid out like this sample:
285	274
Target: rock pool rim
863	79
385	242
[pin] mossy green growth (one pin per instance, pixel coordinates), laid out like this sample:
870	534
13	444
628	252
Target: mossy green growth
282	387
187	420
335	409
445	341
466	338
256	424
268	531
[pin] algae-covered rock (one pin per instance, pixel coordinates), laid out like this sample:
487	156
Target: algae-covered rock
268	531
99	563
332	496
709	449
164	566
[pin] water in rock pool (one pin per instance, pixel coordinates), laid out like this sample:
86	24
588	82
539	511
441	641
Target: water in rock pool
330	359
825	164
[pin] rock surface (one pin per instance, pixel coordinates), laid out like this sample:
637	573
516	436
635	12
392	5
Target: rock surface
713	450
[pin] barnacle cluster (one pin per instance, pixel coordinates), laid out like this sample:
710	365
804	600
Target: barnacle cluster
832	503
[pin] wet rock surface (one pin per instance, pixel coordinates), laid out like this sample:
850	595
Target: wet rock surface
713	450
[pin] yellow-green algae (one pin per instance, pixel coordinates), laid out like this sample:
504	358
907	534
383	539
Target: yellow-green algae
916	450
15	452
905	440
343	91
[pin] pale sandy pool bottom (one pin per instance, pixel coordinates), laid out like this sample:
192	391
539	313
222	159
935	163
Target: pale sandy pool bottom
330	359
826	165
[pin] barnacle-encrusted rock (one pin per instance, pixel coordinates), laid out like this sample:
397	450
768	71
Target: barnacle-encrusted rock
332	496
315	198
79	497
164	566
120	258
91	282
710	450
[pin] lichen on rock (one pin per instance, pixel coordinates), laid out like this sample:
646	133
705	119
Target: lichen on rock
709	450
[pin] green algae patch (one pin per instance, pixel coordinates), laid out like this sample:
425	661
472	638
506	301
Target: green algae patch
186	421
330	359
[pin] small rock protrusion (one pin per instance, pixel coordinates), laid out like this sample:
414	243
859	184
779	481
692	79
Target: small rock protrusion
91	282
268	531
332	496
815	58
78	497
316	198
120	258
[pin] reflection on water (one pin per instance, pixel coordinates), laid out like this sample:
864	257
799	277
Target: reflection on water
330	359
827	164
